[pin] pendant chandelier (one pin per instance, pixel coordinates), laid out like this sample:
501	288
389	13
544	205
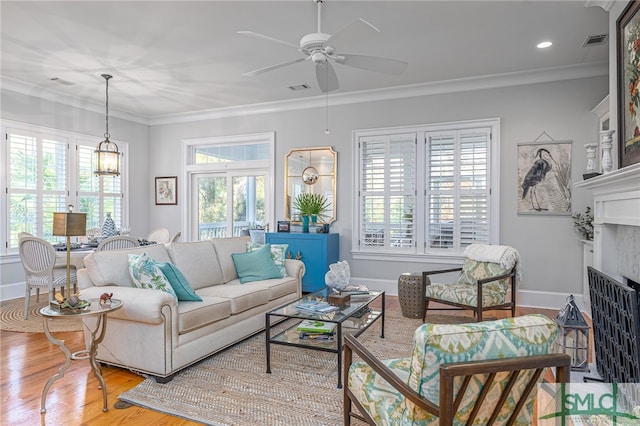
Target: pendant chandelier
107	155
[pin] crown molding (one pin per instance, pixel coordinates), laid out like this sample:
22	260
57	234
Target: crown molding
53	95
494	81
605	4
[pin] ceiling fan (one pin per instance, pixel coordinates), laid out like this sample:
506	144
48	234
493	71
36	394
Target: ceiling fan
319	48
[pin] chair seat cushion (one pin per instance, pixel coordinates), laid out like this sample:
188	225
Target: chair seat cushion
381	401
465	294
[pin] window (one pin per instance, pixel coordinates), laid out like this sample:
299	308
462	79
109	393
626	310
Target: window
230	182
426	190
46	170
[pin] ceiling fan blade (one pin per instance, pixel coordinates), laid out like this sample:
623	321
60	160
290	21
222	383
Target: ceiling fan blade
327	78
272	67
355	31
372	63
265	37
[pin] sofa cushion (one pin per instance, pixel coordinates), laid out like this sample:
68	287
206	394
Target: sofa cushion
241	296
255	266
112	266
277	287
278	254
198	262
224	248
194	315
178	282
145	273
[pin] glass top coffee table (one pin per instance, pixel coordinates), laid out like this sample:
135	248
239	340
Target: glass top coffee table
352	318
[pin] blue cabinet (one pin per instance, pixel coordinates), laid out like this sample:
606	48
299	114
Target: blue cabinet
318	251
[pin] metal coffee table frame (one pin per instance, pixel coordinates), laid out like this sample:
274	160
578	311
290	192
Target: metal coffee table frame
347	318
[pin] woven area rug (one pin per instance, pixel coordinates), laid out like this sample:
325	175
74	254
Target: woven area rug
12	317
232	388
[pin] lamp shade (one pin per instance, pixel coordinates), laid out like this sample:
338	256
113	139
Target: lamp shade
69	224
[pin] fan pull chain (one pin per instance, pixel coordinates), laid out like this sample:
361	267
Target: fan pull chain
326	130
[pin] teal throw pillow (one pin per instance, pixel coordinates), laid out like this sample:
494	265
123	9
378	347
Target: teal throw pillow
256	265
178	282
145	274
278	254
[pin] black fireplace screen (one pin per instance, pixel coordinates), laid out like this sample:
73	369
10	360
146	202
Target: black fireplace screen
616	328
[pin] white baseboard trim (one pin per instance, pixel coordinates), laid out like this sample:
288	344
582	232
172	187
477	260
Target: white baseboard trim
528	298
11	291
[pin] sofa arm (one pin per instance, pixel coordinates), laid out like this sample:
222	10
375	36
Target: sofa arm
83	279
295	268
140	304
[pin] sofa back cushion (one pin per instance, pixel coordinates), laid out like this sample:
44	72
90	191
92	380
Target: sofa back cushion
198	263
225	247
112	266
436	344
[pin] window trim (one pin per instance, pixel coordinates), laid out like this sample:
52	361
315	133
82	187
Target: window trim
74	139
421	131
189	168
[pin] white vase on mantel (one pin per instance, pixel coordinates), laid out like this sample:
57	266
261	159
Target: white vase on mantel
606	138
591	157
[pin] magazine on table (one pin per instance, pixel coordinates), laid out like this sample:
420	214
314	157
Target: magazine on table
315	326
316	307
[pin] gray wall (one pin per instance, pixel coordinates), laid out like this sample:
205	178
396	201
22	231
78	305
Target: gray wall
33	110
551	251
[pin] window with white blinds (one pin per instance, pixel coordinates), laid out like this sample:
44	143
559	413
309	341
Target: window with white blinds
426	190
46	170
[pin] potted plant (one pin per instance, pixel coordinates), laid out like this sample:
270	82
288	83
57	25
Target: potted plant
311	206
584	223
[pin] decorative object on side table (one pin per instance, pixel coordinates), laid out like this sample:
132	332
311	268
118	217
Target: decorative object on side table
69	224
584	223
311	207
284	226
573	335
109	227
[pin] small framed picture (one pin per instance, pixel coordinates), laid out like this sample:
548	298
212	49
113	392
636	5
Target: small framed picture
167	190
284	226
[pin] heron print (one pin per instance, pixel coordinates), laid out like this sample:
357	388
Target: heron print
544	178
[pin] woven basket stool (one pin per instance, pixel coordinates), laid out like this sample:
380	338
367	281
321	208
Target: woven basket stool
411	289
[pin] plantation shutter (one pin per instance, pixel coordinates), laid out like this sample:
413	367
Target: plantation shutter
457	195
38	182
387	191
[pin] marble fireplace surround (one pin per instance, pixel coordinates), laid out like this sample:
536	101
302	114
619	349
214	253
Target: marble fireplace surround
616	212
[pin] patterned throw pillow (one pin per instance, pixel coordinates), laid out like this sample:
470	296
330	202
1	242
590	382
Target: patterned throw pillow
473	270
278	254
145	274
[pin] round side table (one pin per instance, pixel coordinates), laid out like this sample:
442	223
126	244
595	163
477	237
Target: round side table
411	291
95	309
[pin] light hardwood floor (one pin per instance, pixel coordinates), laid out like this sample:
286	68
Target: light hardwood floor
28	360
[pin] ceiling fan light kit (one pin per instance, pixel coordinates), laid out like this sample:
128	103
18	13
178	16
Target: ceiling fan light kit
320	48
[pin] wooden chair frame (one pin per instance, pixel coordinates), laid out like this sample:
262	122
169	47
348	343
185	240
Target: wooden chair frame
478	309
449	403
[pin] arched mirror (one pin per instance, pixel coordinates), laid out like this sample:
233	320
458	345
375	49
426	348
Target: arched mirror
310	170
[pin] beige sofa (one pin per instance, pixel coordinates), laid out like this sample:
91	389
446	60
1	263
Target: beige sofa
155	334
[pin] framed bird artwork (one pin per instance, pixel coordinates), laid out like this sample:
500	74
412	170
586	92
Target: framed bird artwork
544	178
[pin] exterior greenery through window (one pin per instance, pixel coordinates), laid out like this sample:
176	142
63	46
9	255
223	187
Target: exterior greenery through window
230	180
426	190
46	170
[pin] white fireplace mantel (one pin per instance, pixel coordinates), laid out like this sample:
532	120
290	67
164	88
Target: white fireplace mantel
616	201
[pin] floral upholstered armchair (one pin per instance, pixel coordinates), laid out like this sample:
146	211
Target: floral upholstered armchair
477	373
487	281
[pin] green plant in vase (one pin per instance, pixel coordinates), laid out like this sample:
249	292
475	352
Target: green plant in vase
309	206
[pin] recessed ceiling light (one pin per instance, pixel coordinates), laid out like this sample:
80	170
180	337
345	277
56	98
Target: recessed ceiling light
544	44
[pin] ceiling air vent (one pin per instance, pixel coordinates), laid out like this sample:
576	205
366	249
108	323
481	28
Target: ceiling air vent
300	87
61	81
595	40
